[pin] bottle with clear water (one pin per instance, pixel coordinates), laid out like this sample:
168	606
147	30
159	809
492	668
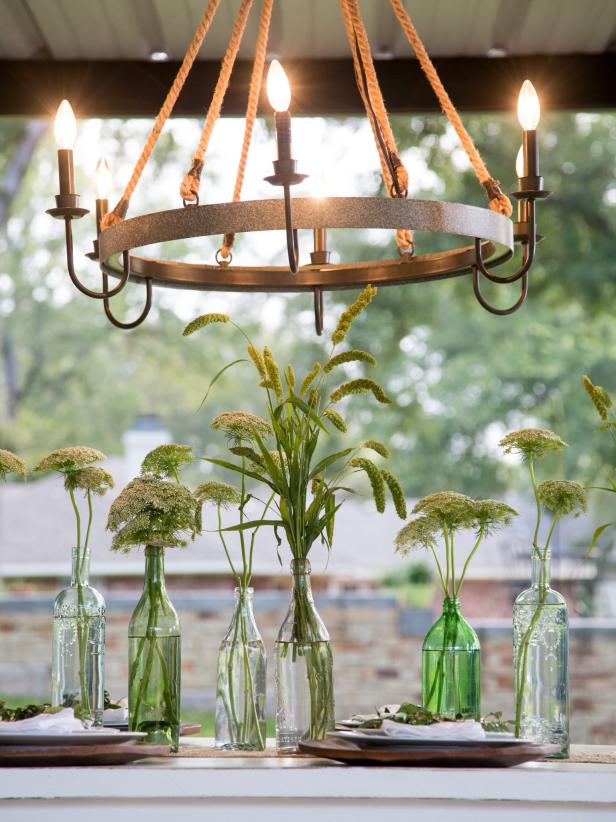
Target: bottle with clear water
78	645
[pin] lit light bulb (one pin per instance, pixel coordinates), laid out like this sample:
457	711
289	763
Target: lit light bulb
519	162
65	126
529	109
103	179
278	88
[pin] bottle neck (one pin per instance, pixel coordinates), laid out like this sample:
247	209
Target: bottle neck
451	605
243	600
154	567
80	569
300	568
540	569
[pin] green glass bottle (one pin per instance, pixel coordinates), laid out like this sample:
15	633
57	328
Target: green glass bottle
451	665
154	658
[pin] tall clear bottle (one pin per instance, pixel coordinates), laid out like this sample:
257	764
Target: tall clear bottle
304	669
154	658
240	689
78	645
541	653
450	661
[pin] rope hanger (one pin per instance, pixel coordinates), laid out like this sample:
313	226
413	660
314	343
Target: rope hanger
394	173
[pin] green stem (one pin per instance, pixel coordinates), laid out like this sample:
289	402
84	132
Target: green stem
89	498
439	569
77	517
83	627
533	483
467	563
145	677
527	636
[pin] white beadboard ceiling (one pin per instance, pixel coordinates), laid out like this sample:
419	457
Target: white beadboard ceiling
132	29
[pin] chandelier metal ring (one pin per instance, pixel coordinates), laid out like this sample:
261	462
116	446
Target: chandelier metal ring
492	228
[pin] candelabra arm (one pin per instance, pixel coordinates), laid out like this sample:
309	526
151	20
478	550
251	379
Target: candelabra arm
292	240
70	264
318	310
502	312
529	245
141	317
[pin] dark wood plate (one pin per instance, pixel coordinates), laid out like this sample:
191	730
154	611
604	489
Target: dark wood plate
23	755
343	750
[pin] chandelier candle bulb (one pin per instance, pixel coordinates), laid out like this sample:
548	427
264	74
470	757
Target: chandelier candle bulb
65	132
529	113
279	96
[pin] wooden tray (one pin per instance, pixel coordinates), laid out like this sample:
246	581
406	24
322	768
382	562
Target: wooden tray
186	728
480	756
23	755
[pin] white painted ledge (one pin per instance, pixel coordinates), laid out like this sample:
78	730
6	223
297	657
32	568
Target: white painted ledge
543	790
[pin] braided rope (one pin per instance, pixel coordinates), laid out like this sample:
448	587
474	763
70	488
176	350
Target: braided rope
376	111
189	188
497	199
256	82
120	209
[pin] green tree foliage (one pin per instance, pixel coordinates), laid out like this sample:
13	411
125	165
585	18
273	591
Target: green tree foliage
461	377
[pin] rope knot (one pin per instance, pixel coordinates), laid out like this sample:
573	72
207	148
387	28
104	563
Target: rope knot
498	201
400	187
189	189
116	215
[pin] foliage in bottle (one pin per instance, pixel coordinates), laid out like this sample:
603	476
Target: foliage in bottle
561	498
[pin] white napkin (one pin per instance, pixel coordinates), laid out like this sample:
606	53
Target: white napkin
466	729
117	714
59	723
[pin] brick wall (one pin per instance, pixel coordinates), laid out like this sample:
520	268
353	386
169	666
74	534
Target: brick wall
377	646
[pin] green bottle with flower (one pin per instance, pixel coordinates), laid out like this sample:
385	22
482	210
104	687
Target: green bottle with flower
157	512
451	651
78	644
281	452
540	617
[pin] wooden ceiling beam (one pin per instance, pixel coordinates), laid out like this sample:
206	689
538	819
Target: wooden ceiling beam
320	87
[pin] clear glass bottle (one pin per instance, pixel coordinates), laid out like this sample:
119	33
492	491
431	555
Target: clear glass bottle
450	661
154	658
78	645
240	688
304	669
540	653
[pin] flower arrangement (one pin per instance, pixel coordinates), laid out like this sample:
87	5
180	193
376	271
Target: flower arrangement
155	511
450	653
438	518
561	498
76	465
240	691
305	501
280	451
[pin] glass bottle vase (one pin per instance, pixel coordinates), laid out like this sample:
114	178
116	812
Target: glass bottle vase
450	661
240	686
78	645
540	653
154	658
304	669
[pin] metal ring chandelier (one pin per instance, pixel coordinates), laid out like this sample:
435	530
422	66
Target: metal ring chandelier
492	235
